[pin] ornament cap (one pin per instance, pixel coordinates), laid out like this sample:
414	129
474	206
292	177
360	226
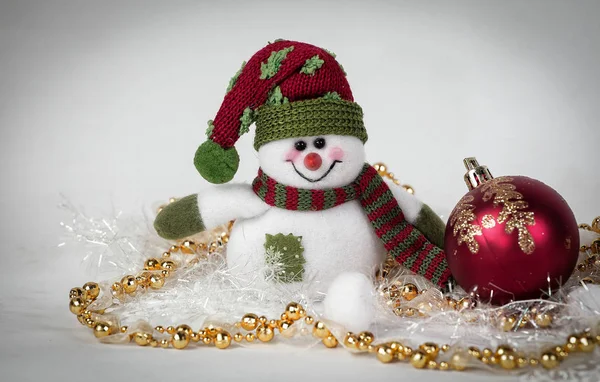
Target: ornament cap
476	174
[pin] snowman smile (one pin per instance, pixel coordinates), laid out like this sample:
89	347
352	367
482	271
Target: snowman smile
318	179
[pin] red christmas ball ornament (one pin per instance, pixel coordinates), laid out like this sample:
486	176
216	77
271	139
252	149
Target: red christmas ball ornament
510	238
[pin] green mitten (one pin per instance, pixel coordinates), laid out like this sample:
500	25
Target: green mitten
179	219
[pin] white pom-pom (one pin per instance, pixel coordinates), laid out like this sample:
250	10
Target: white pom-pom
350	301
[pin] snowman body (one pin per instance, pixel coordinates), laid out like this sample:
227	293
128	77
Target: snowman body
336	240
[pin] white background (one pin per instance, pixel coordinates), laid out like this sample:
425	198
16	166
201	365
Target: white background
107	101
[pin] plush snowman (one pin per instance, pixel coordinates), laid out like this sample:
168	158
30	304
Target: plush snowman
316	216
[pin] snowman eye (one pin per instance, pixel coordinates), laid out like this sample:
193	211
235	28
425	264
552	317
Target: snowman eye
319	143
300	145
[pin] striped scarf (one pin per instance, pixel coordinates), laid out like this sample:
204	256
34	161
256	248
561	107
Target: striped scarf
402	240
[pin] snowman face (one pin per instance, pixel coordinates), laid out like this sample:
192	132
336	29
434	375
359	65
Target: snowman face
318	162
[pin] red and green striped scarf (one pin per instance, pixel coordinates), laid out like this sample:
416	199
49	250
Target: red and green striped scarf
401	239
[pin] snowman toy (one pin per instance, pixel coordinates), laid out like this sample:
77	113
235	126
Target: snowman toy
316	216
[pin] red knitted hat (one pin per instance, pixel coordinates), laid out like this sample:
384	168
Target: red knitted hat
290	89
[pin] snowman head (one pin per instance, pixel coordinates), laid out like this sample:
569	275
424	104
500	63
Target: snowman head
309	131
314	162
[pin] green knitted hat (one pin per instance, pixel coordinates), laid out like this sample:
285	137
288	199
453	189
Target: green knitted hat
290	89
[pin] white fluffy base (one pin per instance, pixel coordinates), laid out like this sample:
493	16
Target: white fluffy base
350	301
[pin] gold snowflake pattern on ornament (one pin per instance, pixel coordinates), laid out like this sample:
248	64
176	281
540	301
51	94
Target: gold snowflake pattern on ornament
461	220
513	206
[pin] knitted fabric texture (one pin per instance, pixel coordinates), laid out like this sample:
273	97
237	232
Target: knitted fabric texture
401	239
309	118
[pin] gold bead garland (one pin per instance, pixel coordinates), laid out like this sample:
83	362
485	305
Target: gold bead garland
427	355
591	264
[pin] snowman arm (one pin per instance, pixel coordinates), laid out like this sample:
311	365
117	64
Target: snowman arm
419	214
208	209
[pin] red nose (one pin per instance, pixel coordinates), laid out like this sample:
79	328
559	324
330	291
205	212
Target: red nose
313	161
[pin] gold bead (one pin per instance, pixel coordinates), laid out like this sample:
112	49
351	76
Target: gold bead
206	340
459	361
173	249
154	343
351	341
445	347
508	323
143	279
522	362
166	254
165	273
292	311
184	328
508	361
265	333
164	343
142	339
430	349
451	302
238	337
274	324
396	347
419	359
560	352
283	316
487	353
330	341
116	289
92	290
222	340
534	362
287	329
385	354
157	281
366	337
188	247
410	291
250	337
168	265
409	189
543	320
409	312
152	265
159	329
81	319
181	339
102	329
249	321
549	360
474	352
124	328
431	364
129	284
465	303
504	349
572	343
586	343
263	320
444	366
408	351
170	329
90	323
212	330
320	330
309	320
76	305
362	346
77	292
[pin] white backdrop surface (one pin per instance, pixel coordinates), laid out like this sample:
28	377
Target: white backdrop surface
107	101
